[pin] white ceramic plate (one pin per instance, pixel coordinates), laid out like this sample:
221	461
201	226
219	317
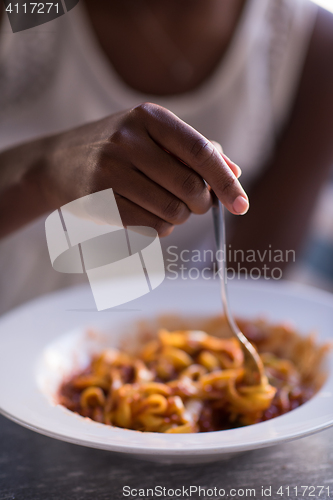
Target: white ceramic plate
38	343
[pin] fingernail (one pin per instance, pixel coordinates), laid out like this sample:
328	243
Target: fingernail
240	205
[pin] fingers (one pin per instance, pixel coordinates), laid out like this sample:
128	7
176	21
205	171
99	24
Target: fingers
130	183
174	176
184	142
153	198
134	215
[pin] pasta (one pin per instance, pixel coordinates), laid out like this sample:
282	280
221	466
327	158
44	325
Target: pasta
187	380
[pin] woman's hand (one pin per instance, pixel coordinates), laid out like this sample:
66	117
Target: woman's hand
155	163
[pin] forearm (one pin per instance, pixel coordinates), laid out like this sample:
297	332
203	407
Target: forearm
22	194
41	175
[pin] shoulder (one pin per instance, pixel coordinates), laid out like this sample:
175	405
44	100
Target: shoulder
315	96
324	24
320	54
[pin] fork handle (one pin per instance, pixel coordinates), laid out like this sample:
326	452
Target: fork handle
219	231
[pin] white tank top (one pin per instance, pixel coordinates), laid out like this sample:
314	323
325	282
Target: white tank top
54	77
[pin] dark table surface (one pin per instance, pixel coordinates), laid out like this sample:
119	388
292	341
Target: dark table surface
34	467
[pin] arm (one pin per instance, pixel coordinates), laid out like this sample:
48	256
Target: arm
302	159
154	162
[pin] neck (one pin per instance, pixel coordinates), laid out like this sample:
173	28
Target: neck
161	47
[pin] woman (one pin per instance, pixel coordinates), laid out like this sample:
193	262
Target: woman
255	76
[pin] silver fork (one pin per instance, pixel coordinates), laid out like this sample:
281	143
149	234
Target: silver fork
254	369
